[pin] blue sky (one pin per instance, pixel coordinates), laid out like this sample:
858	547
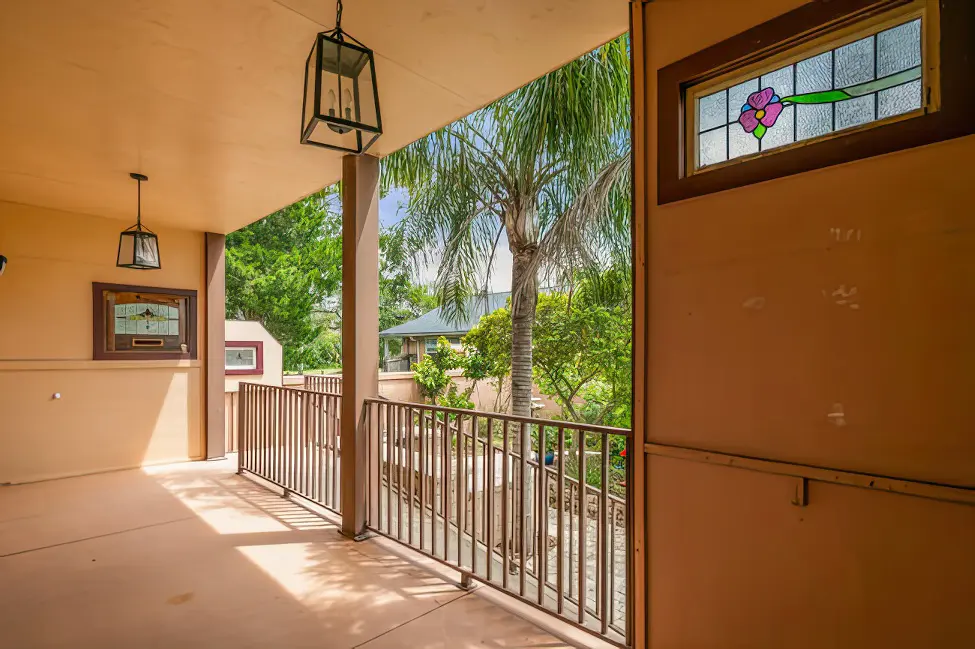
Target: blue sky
392	209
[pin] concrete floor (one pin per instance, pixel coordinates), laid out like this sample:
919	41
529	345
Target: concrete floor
192	555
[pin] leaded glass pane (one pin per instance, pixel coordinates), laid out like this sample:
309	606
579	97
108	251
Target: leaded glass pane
741	143
714	146
899	48
899	100
738	96
813	121
854	112
782	133
854	63
815	74
781	80
713	111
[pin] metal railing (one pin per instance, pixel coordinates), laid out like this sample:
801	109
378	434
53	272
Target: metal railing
536	508
290	437
323	383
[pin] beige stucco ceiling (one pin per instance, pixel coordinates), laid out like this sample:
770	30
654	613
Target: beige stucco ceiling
204	96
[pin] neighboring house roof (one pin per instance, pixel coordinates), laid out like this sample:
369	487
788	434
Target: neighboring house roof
433	322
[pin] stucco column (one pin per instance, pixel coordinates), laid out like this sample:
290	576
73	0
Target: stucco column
216	282
360	328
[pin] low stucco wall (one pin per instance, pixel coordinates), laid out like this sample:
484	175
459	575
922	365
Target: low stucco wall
400	386
111	414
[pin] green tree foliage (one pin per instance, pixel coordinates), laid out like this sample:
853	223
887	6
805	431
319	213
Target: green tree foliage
400	298
281	269
488	347
547	167
582	355
435	384
582	347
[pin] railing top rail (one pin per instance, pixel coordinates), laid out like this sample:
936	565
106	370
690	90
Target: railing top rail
288	388
555	423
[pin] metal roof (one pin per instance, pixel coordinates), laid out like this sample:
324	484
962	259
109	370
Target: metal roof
433	322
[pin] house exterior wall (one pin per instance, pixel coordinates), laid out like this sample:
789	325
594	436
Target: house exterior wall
111	414
273	354
747	354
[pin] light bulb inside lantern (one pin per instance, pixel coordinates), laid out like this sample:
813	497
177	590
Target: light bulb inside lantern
331	103
347	96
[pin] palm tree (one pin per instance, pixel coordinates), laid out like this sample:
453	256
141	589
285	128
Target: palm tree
544	167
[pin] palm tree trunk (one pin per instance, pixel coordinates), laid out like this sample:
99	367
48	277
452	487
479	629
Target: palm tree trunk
524	297
523	304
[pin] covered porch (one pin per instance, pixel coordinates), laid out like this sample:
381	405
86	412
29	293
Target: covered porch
192	555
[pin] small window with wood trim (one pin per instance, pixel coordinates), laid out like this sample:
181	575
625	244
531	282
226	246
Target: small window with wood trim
873	72
244	357
143	322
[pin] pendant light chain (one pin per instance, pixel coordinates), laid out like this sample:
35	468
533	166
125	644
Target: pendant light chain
338	15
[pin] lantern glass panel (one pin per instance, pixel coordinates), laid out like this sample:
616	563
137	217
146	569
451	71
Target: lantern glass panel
308	104
126	249
365	91
146	250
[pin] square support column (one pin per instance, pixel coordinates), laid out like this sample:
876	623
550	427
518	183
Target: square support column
215	364
360	329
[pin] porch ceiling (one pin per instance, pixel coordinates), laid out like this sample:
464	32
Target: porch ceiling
204	96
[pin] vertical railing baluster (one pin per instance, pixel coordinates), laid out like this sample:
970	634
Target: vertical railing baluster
560	521
474	516
327	457
601	557
505	478
572	536
612	561
292	424
316	464
446	480
524	447
459	496
412	471
490	495
399	414
434	481
423	477
541	495
334	413
266	471
583	524
389	469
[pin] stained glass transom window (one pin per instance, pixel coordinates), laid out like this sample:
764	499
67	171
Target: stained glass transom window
868	80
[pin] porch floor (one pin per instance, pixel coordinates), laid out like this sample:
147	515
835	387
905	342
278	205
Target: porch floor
192	555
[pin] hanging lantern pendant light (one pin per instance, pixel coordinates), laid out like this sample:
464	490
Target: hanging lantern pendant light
138	246
340	109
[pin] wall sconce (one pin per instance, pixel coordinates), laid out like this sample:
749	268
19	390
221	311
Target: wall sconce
138	246
3	264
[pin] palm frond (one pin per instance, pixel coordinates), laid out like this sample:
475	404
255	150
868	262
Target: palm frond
591	231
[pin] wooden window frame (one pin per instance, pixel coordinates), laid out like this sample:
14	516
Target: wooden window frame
258	345
814	20
99	324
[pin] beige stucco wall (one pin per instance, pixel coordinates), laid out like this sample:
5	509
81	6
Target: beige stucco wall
244	330
748	356
111	414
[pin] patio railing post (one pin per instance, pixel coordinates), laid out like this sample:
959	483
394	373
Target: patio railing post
360	331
